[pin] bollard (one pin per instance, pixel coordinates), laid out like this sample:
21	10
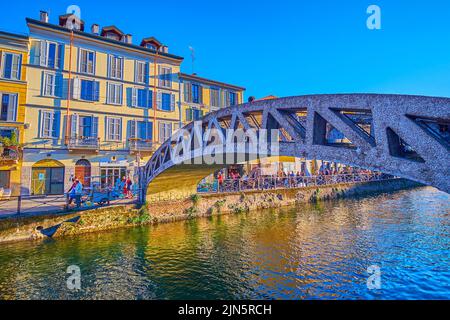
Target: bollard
19	204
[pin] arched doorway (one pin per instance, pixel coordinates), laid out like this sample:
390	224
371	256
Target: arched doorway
83	172
47	177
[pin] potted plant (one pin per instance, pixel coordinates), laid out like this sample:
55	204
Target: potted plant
13	142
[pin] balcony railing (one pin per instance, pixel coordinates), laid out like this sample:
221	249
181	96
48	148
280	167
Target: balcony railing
84	143
9	154
137	145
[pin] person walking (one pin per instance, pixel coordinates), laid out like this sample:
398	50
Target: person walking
128	184
78	192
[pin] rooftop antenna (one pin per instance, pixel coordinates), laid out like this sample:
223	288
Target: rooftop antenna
193	58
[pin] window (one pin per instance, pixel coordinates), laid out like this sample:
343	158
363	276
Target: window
8	107
141	130
165	77
114	129
232	99
141	98
165	131
87	61
113	36
150	46
196	93
114	93
49	84
193	114
214	97
187	92
141	72
166	101
47	54
85	126
87	90
5	179
193	93
115	67
48	125
11	65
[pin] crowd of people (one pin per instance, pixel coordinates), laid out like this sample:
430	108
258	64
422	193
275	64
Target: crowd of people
290	179
122	189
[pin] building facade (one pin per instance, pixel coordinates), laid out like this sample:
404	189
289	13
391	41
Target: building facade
13	90
97	104
200	96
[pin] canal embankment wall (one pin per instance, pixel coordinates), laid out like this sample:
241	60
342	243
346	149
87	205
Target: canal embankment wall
108	218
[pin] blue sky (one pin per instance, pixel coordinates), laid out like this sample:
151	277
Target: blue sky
282	47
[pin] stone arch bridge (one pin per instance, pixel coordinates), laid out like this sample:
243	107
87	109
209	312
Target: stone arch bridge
406	136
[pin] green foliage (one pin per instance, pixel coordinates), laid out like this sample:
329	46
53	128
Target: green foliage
195	198
9	142
191	211
219	204
142	217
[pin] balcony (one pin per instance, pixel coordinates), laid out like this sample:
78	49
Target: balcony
83	144
9	154
141	146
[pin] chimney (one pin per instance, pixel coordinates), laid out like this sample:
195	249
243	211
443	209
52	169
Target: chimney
43	16
95	29
165	49
129	38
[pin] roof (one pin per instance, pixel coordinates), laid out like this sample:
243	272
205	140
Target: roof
14	35
151	39
103	39
113	29
270	97
208	81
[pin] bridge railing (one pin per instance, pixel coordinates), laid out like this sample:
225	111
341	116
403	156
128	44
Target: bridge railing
288	182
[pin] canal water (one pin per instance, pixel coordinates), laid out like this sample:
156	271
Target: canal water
308	252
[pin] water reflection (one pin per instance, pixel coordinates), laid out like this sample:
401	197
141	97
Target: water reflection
308	252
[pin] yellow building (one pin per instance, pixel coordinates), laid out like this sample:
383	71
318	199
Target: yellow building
200	96
97	104
13	86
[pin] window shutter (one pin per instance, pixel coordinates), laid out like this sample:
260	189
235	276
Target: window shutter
59	85
147	72
200	94
19	67
150	99
172	102
60	57
109	66
150	130
188	114
43	53
159	100
56	121
96	93
74	125
35	52
40	123
95	127
159	76
132	129
12	108
76	88
134	97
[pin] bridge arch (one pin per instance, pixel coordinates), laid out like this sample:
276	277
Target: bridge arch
406	136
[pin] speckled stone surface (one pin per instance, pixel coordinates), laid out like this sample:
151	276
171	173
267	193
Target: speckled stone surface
388	111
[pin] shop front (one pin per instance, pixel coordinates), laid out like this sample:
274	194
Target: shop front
47	177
